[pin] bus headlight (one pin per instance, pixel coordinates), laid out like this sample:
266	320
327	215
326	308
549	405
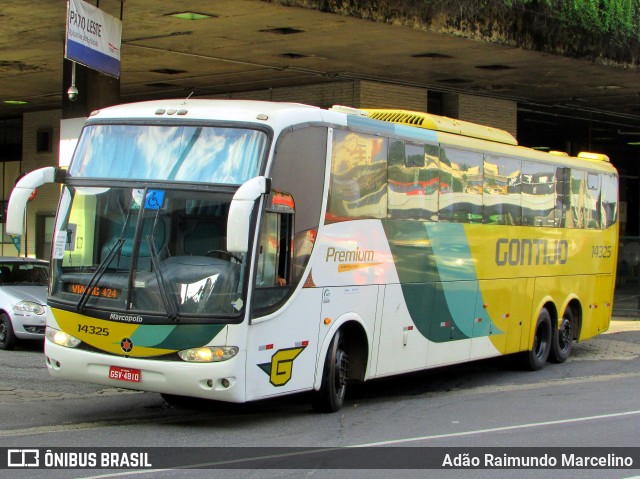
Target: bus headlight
29	307
208	354
61	338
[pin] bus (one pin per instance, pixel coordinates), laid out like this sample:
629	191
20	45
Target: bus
243	250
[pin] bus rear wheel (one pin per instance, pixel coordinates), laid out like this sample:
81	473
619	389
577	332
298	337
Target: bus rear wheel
536	358
332	391
562	338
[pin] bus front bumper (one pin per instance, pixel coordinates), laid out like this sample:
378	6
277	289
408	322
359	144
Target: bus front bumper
221	381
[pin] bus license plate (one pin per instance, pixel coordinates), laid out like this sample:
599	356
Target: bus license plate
124	374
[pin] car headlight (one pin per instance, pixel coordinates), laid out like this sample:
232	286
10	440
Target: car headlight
61	338
208	354
29	307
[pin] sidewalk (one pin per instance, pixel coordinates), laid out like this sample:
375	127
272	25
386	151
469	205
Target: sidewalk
624	323
620	342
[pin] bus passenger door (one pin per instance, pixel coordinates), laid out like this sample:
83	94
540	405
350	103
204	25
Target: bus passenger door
282	344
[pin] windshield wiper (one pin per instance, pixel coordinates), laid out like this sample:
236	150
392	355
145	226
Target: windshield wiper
169	303
115	249
95	277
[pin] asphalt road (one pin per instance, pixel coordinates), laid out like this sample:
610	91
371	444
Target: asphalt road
593	400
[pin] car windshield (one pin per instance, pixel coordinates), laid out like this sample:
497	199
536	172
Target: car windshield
23	273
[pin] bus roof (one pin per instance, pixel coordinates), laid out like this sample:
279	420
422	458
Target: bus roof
442	123
207	109
279	115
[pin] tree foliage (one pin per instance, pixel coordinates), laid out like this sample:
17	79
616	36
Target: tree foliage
618	18
601	30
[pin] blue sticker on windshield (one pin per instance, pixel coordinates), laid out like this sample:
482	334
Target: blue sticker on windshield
154	200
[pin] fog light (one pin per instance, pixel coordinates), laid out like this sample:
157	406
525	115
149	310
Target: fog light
225	383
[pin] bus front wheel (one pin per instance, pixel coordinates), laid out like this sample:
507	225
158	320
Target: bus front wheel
536	358
174	400
330	397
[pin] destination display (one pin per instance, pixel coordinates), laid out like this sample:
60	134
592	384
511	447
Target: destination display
103	292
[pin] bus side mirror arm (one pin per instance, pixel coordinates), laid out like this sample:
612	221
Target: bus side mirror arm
239	221
22	192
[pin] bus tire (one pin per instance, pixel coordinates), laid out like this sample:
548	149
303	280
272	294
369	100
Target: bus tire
562	338
8	338
332	391
183	402
536	358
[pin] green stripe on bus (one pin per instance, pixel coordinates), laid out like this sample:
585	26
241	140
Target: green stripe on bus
179	337
438	279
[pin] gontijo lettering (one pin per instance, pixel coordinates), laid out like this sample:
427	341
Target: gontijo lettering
527	252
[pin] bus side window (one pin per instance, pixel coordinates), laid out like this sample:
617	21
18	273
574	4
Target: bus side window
501	190
273	272
592	197
461	173
267	264
609	201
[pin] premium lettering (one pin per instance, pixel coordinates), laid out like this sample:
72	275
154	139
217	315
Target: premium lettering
339	256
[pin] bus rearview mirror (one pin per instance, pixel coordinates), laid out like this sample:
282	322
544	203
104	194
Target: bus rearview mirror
239	221
22	192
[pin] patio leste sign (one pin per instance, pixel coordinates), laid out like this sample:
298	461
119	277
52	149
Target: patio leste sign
93	38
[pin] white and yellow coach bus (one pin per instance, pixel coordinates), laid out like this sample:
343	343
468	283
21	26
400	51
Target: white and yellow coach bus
240	250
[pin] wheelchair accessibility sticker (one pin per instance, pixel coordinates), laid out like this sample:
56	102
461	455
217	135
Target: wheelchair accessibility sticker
153	199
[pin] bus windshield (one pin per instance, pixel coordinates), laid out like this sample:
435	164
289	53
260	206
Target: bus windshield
155	253
208	154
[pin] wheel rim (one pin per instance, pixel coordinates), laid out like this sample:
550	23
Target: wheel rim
3	331
565	335
340	376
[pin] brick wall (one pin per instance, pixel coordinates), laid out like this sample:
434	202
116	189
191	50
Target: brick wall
323	95
385	95
357	94
494	112
46	200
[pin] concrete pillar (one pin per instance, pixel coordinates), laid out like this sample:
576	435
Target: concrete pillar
95	90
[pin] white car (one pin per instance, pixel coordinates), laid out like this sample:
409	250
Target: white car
23	299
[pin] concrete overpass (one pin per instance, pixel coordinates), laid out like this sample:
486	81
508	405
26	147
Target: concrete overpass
573	90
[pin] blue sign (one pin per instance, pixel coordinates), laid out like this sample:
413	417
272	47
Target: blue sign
154	200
